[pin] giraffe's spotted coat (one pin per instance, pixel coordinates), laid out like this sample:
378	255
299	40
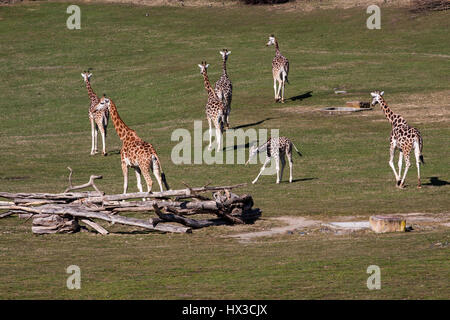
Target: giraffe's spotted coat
224	88
98	118
135	152
403	137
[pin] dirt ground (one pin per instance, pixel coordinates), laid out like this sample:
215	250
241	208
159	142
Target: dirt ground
414	222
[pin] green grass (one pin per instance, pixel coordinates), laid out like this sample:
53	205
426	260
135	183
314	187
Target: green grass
148	66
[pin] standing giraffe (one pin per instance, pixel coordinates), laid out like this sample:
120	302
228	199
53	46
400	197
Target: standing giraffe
280	70
98	119
276	148
404	138
215	110
135	152
224	88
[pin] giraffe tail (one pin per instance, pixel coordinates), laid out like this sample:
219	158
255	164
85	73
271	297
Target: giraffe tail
298	152
163	176
420	141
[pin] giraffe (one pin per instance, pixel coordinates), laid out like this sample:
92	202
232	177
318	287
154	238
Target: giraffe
404	138
99	119
280	70
215	110
224	88
135	152
276	148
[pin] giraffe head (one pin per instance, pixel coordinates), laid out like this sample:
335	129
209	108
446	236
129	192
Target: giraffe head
103	103
377	97
203	67
86	75
271	40
252	152
224	54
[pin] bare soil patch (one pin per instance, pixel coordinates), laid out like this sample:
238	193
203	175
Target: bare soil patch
418	221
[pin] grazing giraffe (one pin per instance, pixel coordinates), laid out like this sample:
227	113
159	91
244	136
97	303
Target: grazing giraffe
215	110
280	70
99	119
135	152
224	88
404	138
276	148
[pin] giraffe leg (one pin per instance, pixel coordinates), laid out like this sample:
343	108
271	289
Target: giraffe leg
210	134
157	173
102	132
391	162
290	166
138	178
125	176
92	136
145	167
283	164
400	162
407	165
277	167
275	88
262	169
218	137
96	138
417	154
280	83
282	90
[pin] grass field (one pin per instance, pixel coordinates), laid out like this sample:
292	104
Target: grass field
148	66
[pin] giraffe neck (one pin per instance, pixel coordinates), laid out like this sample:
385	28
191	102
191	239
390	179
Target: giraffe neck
92	96
224	66
123	131
208	87
277	48
387	111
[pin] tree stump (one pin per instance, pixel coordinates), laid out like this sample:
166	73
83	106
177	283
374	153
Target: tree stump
46	223
382	224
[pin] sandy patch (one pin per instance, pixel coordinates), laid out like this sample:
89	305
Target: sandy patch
293	223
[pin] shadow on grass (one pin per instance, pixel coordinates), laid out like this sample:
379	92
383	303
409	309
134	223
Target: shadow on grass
117	151
251	124
435	181
299	180
301	97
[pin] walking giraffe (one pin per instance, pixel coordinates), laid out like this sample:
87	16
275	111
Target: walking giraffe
404	138
215	110
276	148
99	119
135	152
224	88
280	70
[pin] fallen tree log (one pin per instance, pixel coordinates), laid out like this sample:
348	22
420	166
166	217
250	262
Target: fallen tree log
169	206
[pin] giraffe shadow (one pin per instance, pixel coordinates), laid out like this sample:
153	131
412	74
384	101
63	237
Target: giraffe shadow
299	180
251	124
236	147
301	97
116	151
435	181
